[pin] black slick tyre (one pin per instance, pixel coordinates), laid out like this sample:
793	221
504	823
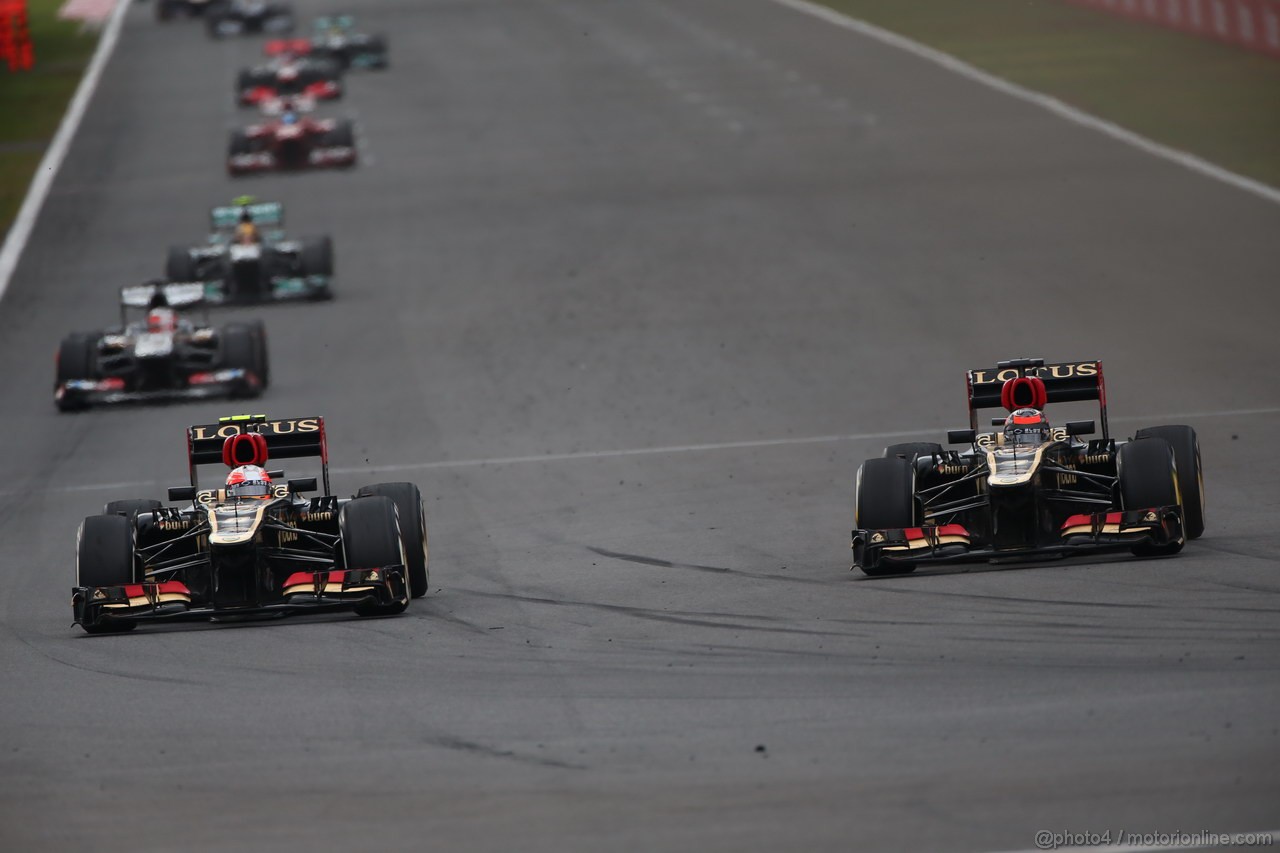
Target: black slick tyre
76	359
1148	478
317	255
884	499
1186	453
104	557
239	350
371	539
413	530
179	265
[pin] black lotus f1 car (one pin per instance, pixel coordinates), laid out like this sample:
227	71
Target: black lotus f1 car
220	556
248	258
159	354
1004	497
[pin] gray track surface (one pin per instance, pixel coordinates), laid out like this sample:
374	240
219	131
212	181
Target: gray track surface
604	225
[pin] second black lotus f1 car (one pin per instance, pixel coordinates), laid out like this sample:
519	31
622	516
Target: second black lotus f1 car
253	545
1028	489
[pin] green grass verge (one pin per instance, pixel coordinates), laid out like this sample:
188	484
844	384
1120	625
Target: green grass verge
32	102
1219	102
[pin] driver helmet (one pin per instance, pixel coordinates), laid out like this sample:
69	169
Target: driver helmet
246	230
1026	428
249	481
160	319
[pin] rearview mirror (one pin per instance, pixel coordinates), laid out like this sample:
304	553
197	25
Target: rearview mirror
1081	428
961	436
182	493
305	484
276	475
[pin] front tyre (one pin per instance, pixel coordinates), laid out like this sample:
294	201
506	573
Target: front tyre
1186	453
884	499
1148	478
413	529
371	540
104	557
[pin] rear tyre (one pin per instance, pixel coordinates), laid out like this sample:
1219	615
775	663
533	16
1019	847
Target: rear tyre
1148	478
76	359
239	144
885	499
1186	453
911	450
239	350
343	134
370	540
104	557
130	507
317	255
412	516
180	266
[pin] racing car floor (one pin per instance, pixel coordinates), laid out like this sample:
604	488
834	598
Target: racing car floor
630	290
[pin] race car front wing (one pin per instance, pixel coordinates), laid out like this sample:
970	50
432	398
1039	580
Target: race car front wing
228	382
173	601
953	543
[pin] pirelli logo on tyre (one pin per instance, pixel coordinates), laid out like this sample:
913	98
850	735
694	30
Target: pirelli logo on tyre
1081	369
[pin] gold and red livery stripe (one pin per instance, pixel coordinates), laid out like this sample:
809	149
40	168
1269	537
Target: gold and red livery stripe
151	594
932	537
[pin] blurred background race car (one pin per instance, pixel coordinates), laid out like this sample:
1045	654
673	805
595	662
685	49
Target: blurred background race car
159	353
235	17
248	258
292	142
334	37
317	78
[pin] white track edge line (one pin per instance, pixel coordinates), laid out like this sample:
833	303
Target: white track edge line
643	451
1070	113
47	170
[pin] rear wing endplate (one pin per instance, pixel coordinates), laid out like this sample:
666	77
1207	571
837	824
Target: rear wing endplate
290	438
1066	382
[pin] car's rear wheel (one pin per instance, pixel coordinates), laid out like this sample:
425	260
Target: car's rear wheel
240	350
371	540
911	450
413	529
317	255
1186	453
1148	478
343	134
130	507
884	499
104	557
180	266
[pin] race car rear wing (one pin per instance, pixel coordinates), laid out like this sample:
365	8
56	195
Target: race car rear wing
1067	382
285	439
261	212
174	295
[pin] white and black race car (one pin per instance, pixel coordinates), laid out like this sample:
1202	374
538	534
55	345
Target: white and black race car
159	353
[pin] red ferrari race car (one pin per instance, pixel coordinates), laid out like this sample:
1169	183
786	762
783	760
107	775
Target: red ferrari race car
292	142
316	78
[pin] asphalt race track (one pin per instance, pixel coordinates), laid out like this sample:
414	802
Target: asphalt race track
630	289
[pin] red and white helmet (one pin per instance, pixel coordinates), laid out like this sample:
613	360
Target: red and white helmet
249	481
162	319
